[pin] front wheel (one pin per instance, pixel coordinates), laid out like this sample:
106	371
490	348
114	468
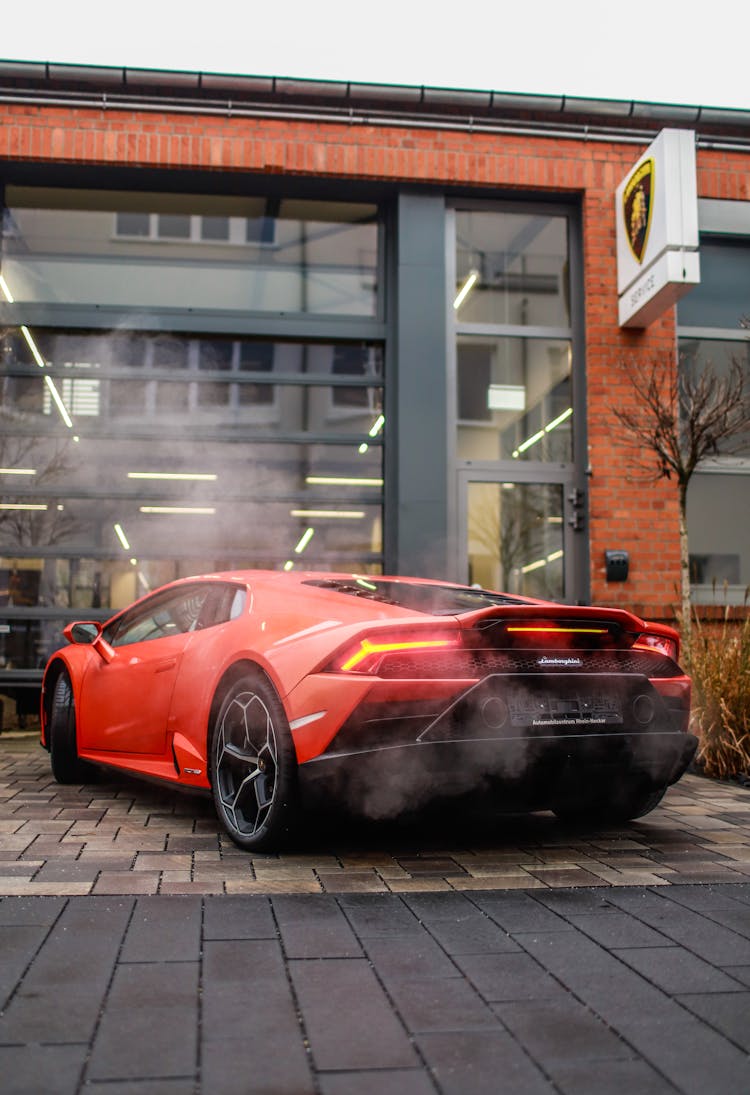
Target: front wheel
253	767
67	766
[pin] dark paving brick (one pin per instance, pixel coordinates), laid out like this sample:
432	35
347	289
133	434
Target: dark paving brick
560	1030
728	1013
439	906
475	934
631	1077
618	929
720	946
508	977
676	970
30	910
382	1082
75	964
374	915
19	943
409	958
237	916
441	1003
139	1087
45	1070
251	1038
344	1036
519	912
149	1027
483	1063
315	927
163	929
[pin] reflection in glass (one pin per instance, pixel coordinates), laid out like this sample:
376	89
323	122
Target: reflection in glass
718	516
720	300
514	399
718	355
211	252
515	535
511	268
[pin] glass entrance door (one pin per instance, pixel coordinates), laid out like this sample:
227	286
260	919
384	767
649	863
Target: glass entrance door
517	536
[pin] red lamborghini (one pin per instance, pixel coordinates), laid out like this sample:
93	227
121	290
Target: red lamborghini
263	687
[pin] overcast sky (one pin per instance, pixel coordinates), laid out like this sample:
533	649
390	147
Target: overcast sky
654	51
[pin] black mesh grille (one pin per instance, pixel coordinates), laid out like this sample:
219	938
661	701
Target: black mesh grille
475	664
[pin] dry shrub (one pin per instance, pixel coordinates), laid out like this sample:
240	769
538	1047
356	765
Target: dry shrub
719	661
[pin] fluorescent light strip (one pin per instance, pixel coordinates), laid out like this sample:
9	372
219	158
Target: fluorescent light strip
17	471
175	476
120	534
59	402
536	566
22	505
347	514
342	481
377	425
540	434
305	539
465	289
202	511
288	565
33	347
6	291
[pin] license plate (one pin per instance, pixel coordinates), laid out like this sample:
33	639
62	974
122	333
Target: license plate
572	710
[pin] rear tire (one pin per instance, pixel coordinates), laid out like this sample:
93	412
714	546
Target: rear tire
610	806
67	766
253	766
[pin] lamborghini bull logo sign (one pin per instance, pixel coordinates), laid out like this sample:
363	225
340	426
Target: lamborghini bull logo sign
637	206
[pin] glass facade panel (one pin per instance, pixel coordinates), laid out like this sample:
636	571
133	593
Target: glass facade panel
512	268
719	496
514	399
157	251
516	538
719	535
718	354
721	298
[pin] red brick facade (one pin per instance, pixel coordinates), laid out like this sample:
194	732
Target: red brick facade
625	513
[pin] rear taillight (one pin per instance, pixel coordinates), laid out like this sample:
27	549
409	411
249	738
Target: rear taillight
660	644
366	654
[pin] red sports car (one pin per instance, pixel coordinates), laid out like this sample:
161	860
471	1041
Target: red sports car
264	687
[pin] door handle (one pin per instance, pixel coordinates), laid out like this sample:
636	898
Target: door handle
163	667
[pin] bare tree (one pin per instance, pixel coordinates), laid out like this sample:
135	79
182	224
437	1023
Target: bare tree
682	413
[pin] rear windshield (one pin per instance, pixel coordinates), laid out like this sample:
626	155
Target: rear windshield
433	599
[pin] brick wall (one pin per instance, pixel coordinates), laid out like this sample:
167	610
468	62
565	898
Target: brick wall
626	512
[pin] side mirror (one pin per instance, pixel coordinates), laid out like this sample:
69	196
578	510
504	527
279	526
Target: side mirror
82	632
88	633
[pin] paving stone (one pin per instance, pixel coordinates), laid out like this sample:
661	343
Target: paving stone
163	929
518	912
440	1003
35	1069
314	928
381	1082
348	1017
560	1030
481	1062
721	946
475	934
612	928
508	977
251	1039
676	970
238	917
612	1077
728	1013
139	1087
409	958
150	1024
75	963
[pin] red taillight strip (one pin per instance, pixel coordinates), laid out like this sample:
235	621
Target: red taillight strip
565	630
368	648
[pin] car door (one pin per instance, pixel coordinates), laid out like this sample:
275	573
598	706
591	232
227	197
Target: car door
124	702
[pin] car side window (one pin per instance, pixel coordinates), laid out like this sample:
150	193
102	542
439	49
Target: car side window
173	612
225	602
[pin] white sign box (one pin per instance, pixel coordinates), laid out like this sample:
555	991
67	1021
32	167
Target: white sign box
656	211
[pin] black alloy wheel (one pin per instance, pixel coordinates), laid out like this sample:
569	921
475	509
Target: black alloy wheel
253	766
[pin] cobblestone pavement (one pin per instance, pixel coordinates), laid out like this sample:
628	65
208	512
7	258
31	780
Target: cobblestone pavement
127	837
142	955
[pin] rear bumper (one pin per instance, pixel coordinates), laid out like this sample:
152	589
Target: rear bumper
520	773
